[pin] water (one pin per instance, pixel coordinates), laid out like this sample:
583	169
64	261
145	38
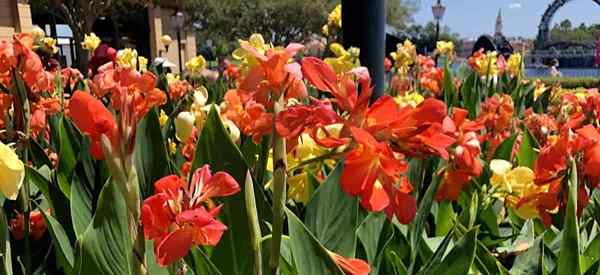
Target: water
566	72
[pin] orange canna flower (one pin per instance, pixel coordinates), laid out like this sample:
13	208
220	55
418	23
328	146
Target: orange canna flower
93	119
37	226
350	266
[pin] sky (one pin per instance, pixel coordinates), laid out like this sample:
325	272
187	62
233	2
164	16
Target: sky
471	18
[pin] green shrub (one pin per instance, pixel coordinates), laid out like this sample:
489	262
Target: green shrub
571	82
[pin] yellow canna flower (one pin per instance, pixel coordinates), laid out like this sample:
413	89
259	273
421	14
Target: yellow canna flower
515	64
198	107
409	99
91	42
172	78
540	88
335	17
50	44
488	64
38	33
143	63
404	57
196	64
513	184
345	60
12	172
127	58
184	125
445	48
163	118
299	188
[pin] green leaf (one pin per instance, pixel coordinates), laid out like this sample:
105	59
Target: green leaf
568	258
38	156
485	262
81	205
309	255
436	259
106	246
150	153
527	155
461	257
592	253
337	234
200	263
233	255
61	240
286	260
504	151
40	182
444	218
5	251
369	233
530	262
151	264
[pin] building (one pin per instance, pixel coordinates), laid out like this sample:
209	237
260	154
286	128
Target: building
140	29
15	16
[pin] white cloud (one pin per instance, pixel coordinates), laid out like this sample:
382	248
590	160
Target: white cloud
515	5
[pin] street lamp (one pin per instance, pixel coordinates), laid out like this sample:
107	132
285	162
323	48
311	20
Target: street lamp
438	13
179	21
166	41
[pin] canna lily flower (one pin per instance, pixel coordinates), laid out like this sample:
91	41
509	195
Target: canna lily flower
334	21
127	58
486	64
409	99
345	60
184	125
513	184
91	42
175	217
93	119
350	266
196	64
143	64
12	172
49	45
38	33
5	105
37	226
445	48
515	64
163	118
404	57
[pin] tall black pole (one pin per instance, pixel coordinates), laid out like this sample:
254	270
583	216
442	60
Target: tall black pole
437	37
363	24
179	50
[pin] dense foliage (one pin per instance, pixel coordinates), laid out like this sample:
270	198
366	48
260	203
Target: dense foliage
283	163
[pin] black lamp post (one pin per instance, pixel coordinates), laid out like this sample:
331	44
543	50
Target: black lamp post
363	24
438	13
179	21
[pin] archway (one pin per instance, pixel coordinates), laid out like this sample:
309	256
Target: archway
544	28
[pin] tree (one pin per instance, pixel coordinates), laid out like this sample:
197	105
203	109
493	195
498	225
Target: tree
399	13
424	36
80	15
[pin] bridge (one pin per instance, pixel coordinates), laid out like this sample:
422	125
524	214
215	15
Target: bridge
543	37
567	57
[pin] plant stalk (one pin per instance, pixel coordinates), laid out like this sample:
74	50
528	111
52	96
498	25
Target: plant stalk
255	235
279	192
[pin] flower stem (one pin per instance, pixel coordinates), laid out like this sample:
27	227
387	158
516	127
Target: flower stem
279	192
26	214
255	235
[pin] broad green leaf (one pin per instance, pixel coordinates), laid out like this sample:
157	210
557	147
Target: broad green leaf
106	246
40	182
592	253
61	240
568	258
233	255
81	205
5	251
504	150
436	259
151	264
461	257
150	153
38	156
309	255
530	262
444	218
337	234
369	233
396	263
200	263
485	262
527	155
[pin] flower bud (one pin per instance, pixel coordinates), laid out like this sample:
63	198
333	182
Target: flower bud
184	125
12	172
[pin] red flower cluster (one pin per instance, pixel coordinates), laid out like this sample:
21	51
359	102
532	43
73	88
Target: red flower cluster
176	218
37	226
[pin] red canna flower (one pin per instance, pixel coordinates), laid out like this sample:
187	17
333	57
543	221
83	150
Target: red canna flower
93	119
175	217
294	120
350	266
37	226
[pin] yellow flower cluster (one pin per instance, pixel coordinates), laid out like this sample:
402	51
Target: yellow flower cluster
91	42
513	184
345	60
334	21
143	63
247	59
196	64
488	64
445	48
127	58
404	57
409	99
515	64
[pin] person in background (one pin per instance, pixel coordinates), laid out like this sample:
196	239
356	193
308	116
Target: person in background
554	72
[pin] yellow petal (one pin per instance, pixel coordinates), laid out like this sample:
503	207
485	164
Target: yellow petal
500	166
12	172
